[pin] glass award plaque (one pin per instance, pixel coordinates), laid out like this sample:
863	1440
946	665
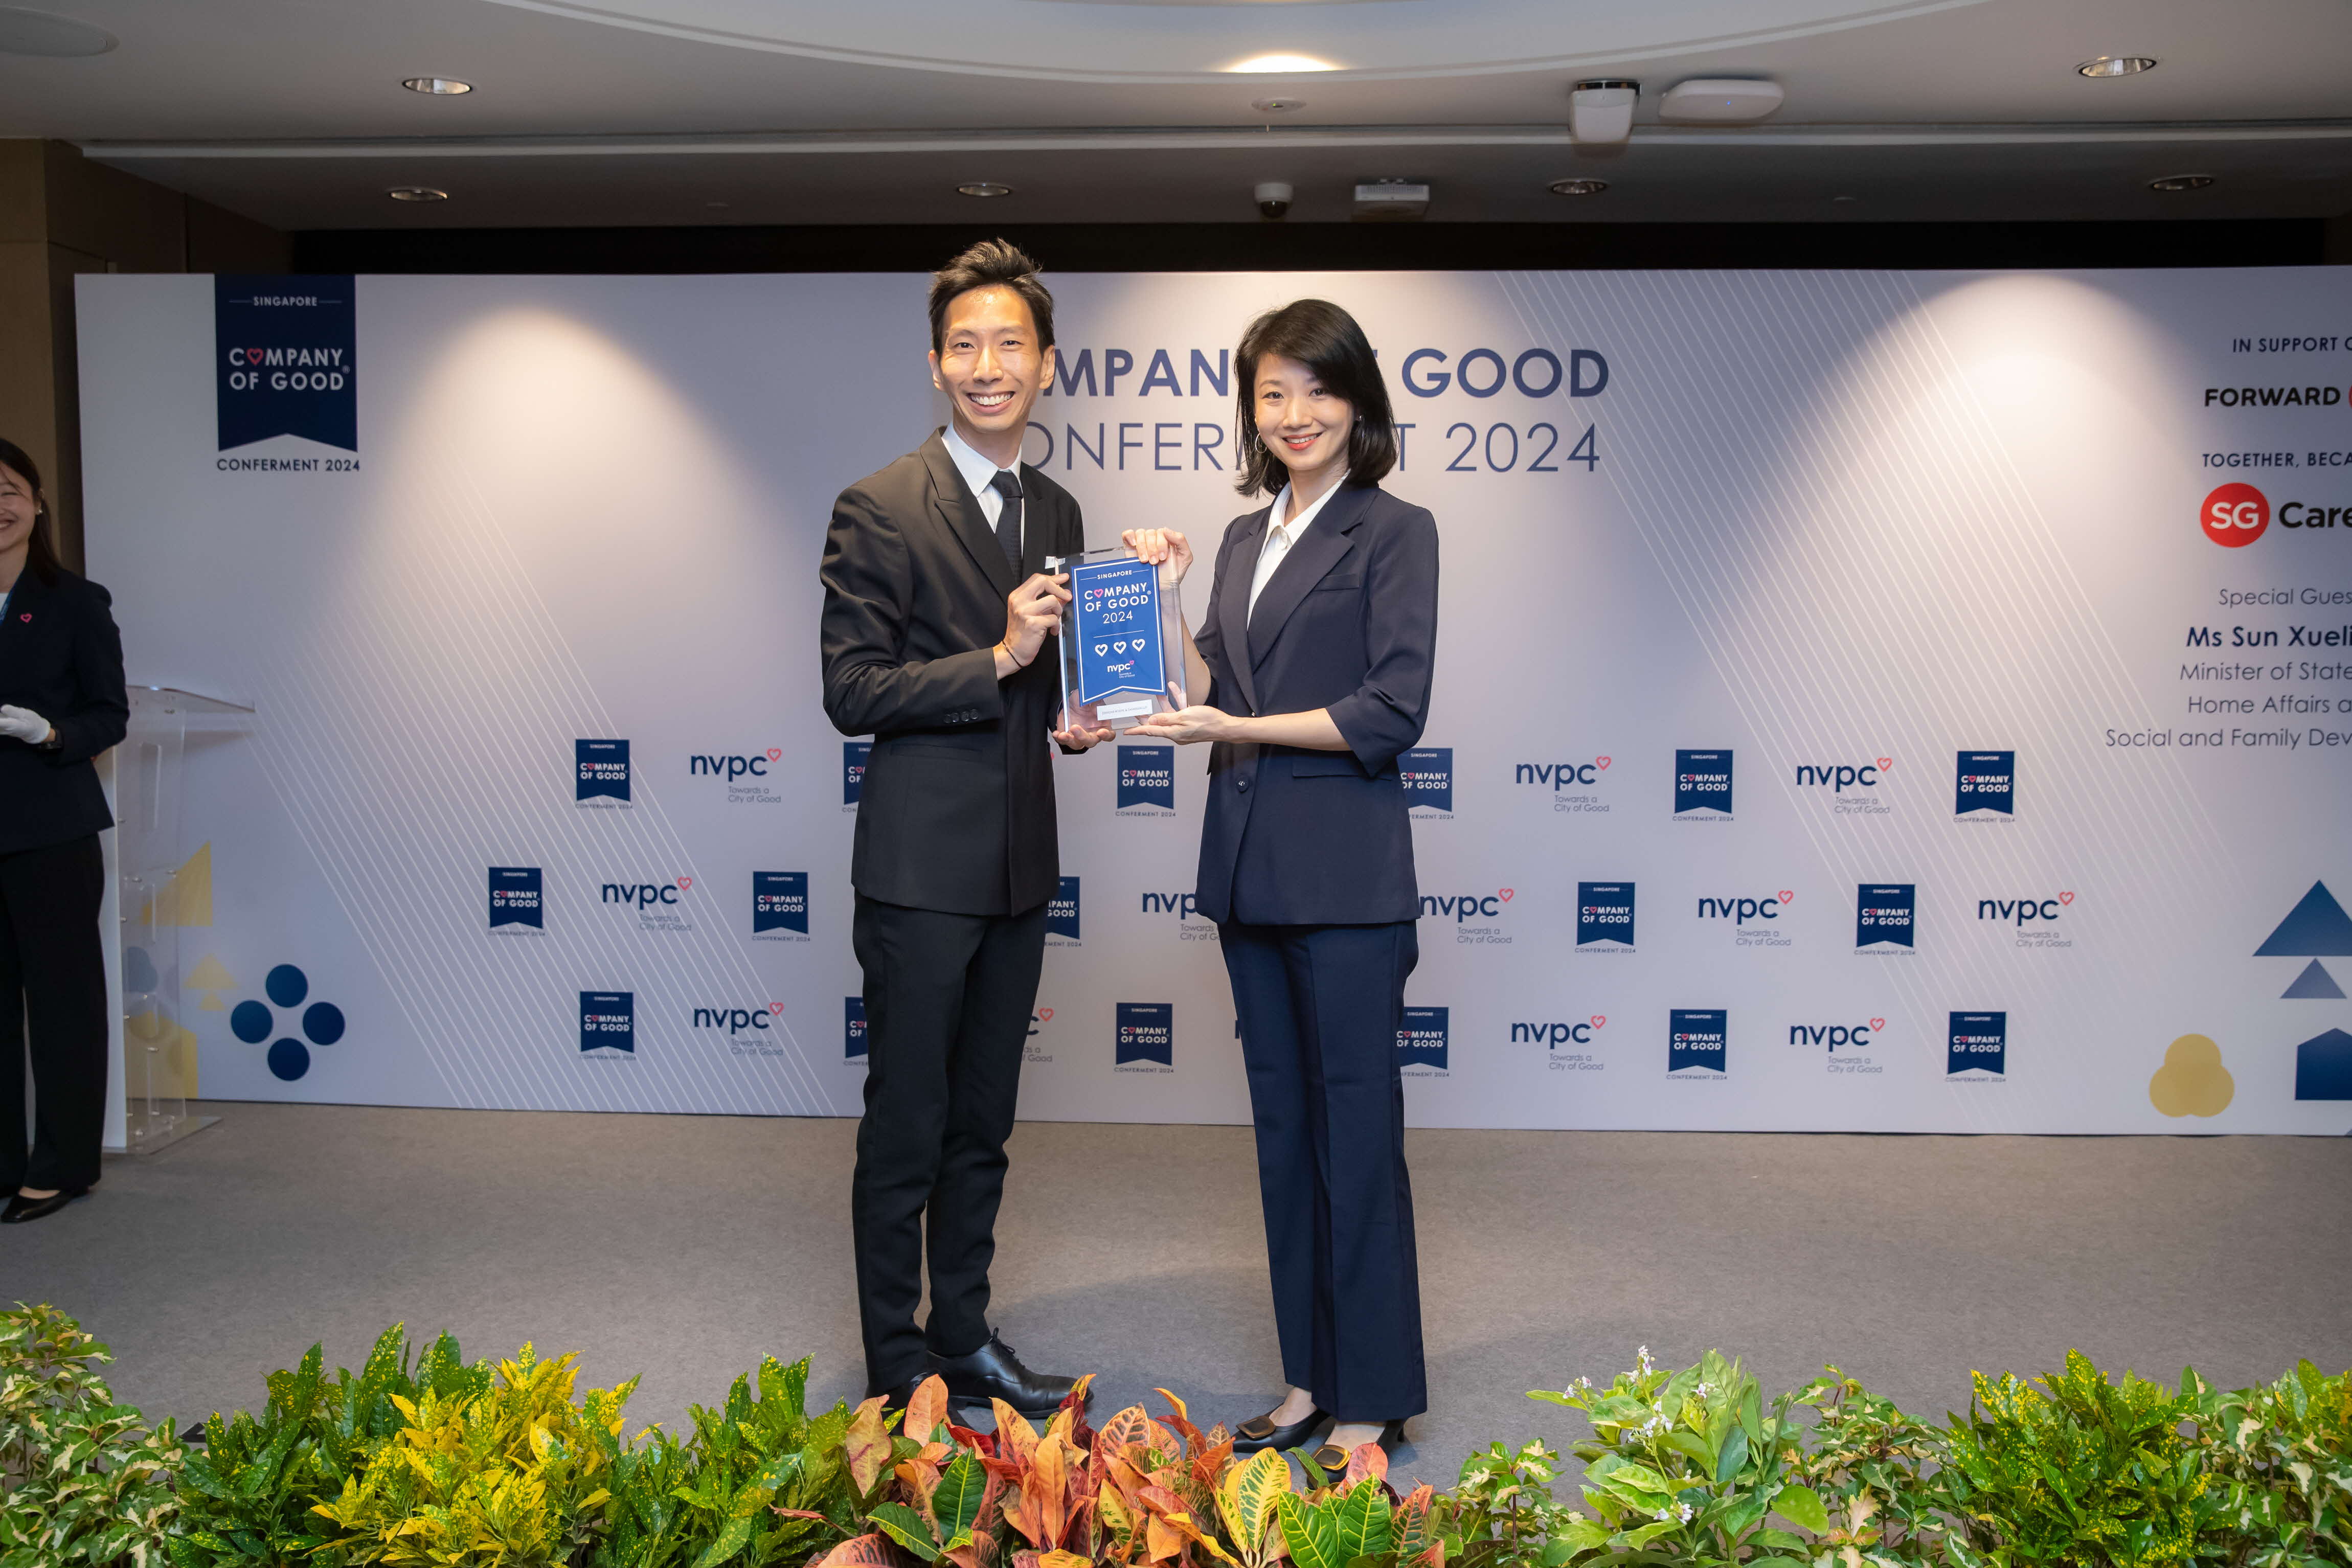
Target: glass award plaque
1122	641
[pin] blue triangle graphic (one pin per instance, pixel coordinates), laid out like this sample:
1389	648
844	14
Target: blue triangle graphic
2316	928
2314	984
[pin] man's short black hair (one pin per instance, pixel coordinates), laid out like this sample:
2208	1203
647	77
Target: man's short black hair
990	264
1327	340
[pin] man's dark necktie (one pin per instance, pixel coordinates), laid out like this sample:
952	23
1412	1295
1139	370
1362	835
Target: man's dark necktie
1007	484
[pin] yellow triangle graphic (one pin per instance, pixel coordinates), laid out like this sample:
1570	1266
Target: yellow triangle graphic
189	900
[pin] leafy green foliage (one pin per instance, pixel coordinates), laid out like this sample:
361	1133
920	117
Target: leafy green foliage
1500	1513
2283	1453
2080	1470
82	1479
1870	1464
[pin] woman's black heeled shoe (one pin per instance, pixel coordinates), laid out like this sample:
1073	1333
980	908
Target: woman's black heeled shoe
1333	1458
21	1209
1260	1432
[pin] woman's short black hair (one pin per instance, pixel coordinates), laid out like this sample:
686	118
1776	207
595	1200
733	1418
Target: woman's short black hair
1327	340
990	264
40	556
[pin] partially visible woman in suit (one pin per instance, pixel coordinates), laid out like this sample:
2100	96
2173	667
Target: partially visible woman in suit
1315	658
61	703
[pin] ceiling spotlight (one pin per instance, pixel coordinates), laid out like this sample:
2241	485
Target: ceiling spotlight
37	32
439	87
2116	66
1277	105
982	188
1579	187
417	193
2181	182
1603	111
1719	99
1391	201
1280	64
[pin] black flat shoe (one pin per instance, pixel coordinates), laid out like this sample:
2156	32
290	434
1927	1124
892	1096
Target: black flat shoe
1260	1432
1333	1458
993	1372
22	1210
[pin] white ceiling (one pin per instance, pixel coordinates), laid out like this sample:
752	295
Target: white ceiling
648	111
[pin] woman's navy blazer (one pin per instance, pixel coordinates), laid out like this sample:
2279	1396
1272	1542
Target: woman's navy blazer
60	656
1347	623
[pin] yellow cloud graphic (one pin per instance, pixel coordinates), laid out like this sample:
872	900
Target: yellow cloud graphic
2192	1082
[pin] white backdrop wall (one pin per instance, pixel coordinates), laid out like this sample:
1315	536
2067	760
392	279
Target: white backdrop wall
1847	527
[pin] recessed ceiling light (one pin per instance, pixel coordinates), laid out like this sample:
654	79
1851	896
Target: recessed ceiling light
2181	182
1579	187
1281	65
2116	66
1277	105
439	87
983	188
24	32
417	193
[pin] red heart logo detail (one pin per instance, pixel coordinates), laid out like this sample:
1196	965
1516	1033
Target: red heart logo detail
1885	763
775	753
1599	1019
1878	1023
1786	896
685	881
1044	1015
2066	898
1604	763
1507	892
776	1009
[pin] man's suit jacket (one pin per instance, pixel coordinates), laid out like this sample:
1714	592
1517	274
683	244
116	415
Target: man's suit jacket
957	810
60	656
1347	623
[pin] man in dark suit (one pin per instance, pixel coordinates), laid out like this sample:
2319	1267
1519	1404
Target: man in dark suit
939	641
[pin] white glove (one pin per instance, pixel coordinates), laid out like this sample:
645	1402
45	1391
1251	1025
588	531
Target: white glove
23	724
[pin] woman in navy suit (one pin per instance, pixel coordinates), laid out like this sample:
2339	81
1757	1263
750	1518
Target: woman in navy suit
61	703
1314	657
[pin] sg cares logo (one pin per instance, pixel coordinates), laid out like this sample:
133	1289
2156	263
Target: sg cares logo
2234	516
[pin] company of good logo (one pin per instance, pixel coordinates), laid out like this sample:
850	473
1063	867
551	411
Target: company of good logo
754	765
1062	910
1884	917
515	897
1147	778
853	1028
755	1018
854	754
601	770
1423	1037
1702	783
2234	515
780	902
1697	1038
1428	776
284	347
1604	913
286	988
1569	783
1987	786
1978	1043
608	1021
1146	1032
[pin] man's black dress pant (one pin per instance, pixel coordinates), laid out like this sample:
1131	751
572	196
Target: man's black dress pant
948	1005
53	974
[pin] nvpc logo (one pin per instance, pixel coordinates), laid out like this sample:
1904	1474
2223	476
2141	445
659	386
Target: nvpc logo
1986	785
2026	911
1840	777
1557	1033
779	901
515	897
1702	782
1604	912
1463	906
1424	1036
1696	1038
752	1019
733	767
1832	1036
1742	911
608	1020
642	895
1978	1043
599	770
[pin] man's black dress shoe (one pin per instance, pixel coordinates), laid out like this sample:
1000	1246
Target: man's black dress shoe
1334	1458
21	1209
993	1372
1260	1432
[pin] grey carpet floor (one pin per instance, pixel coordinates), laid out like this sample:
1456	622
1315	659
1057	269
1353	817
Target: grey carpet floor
683	1248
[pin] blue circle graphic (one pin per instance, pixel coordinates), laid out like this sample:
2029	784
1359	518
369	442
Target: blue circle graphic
251	1022
290	1058
323	1023
287	986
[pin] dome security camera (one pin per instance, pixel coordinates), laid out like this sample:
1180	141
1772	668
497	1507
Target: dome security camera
1273	199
